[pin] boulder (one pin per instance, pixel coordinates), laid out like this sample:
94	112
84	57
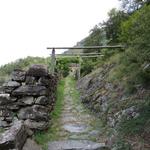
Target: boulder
14	138
42	100
37	71
18	75
4	99
34	125
30	90
10	86
29	100
36	112
31	145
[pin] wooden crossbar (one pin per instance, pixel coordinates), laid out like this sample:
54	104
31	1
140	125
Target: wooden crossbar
87	47
78	56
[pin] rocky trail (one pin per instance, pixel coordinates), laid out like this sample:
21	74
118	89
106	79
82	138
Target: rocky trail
79	130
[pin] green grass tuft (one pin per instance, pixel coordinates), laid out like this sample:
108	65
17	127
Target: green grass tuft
43	137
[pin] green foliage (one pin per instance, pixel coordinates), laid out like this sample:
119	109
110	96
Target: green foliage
96	37
63	64
87	66
113	25
120	144
138	125
136	60
60	96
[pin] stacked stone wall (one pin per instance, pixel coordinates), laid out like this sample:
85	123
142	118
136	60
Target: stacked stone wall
28	96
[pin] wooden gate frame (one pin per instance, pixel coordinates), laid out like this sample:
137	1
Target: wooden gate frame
80	55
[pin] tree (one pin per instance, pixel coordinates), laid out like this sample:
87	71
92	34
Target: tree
129	6
95	38
136	34
113	25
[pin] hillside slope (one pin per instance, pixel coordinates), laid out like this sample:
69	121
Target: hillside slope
125	115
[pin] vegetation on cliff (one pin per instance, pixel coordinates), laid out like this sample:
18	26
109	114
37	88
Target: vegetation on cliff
118	87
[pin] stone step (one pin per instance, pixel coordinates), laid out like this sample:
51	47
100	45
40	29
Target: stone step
76	145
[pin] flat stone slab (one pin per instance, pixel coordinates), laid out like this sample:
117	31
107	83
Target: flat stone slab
75	128
76	145
30	90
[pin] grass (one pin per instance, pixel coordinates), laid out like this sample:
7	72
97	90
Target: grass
74	93
139	125
51	134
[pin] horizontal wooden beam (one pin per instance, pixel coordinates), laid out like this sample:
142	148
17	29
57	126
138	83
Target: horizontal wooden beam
87	47
79	56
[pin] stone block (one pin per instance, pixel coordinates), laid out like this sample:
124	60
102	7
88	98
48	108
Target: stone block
14	138
30	90
37	71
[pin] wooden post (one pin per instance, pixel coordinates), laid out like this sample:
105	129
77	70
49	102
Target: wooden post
53	61
79	69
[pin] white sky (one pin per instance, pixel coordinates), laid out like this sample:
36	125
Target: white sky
27	27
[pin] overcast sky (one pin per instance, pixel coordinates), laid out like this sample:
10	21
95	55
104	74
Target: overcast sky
27	27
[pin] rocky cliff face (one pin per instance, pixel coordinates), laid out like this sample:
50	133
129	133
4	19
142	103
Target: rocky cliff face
28	97
109	101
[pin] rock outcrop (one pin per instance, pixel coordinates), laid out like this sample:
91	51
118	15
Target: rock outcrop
109	101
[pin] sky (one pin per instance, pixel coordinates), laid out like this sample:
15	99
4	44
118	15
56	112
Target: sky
28	27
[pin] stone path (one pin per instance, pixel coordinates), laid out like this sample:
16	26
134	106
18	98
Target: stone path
79	129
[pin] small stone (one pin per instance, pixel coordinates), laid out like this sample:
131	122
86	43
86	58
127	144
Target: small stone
30	80
36	112
4	99
18	75
13	99
34	125
5	113
44	81
9	119
30	90
42	100
4	124
13	106
10	86
29	100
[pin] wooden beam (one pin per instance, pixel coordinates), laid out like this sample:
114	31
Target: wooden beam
53	61
87	47
78	56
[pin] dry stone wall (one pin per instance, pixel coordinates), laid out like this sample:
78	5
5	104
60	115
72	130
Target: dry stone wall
29	96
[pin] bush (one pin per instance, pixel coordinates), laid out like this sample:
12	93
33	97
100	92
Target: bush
62	65
138	125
